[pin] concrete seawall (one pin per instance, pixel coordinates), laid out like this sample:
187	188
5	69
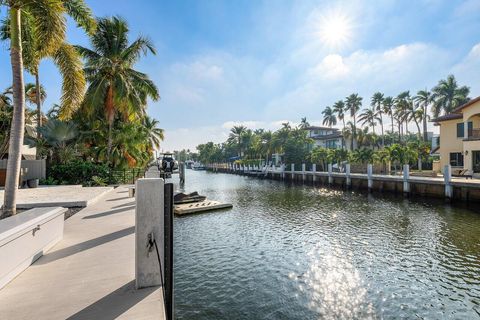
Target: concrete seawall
453	189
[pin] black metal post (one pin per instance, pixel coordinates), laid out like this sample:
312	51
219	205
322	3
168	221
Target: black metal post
168	250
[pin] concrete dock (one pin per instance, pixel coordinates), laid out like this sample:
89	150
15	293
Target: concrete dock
452	188
89	274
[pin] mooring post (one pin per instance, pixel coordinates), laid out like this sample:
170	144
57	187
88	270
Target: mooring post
314	172
282	168
369	176
303	172
348	179
292	170
330	177
149	227
406	176
447	177
181	170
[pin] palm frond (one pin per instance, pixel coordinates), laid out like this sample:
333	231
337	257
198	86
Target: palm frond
81	13
73	86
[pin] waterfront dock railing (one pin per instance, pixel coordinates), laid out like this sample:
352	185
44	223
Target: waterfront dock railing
442	186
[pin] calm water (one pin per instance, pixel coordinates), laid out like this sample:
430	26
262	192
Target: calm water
294	252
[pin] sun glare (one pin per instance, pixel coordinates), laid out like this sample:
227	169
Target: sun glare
335	30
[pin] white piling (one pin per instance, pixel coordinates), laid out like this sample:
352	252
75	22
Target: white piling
406	176
148	223
447	177
282	168
314	172
303	172
292	169
369	175
330	177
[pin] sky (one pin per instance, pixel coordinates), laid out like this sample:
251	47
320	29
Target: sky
261	63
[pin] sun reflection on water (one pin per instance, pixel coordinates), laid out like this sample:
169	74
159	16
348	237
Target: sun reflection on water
334	286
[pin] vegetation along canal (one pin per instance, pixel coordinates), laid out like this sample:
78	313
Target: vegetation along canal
298	252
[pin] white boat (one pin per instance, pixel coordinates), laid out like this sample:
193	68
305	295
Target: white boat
198	166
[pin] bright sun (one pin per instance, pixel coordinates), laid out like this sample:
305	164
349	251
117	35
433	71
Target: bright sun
335	30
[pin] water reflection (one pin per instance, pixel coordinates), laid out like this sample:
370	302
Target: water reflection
333	285
297	252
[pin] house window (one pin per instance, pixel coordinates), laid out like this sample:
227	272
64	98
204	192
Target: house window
331	144
460	131
456	159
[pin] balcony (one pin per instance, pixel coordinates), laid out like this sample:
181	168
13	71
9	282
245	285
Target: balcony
473	134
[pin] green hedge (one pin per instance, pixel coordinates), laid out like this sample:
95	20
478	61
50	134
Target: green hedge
79	172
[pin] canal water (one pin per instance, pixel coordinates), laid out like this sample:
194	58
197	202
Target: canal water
299	252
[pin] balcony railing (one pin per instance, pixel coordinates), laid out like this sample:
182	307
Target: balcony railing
475	133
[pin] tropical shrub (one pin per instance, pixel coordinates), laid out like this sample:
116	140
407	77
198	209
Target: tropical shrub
79	172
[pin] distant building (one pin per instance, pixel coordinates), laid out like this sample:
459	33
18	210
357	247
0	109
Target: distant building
326	137
460	137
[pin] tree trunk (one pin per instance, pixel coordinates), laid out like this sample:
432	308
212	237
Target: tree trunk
18	121
391	116
418	128
343	139
38	101
425	135
354	132
381	126
110	111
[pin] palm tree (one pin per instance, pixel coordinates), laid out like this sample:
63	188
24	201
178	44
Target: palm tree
329	117
304	123
113	83
377	104
369	117
425	98
339	110
64	56
153	132
414	113
353	103
48	20
448	96
401	111
236	137
388	104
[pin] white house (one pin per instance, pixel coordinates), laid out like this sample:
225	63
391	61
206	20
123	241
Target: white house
326	137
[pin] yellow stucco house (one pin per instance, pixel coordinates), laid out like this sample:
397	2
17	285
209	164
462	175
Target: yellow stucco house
460	138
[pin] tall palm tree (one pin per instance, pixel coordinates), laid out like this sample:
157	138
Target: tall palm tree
339	110
64	56
387	105
448	96
369	117
48	20
235	136
401	112
304	123
329	117
353	103
113	84
377	103
425	98
153	132
414	112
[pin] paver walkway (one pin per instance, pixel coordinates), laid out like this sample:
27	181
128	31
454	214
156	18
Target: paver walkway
89	274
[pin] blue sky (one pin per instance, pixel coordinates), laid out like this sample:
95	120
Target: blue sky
261	63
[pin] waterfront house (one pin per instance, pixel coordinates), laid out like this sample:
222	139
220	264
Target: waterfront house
326	137
460	138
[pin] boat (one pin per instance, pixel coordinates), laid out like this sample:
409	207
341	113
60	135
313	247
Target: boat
167	162
198	166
